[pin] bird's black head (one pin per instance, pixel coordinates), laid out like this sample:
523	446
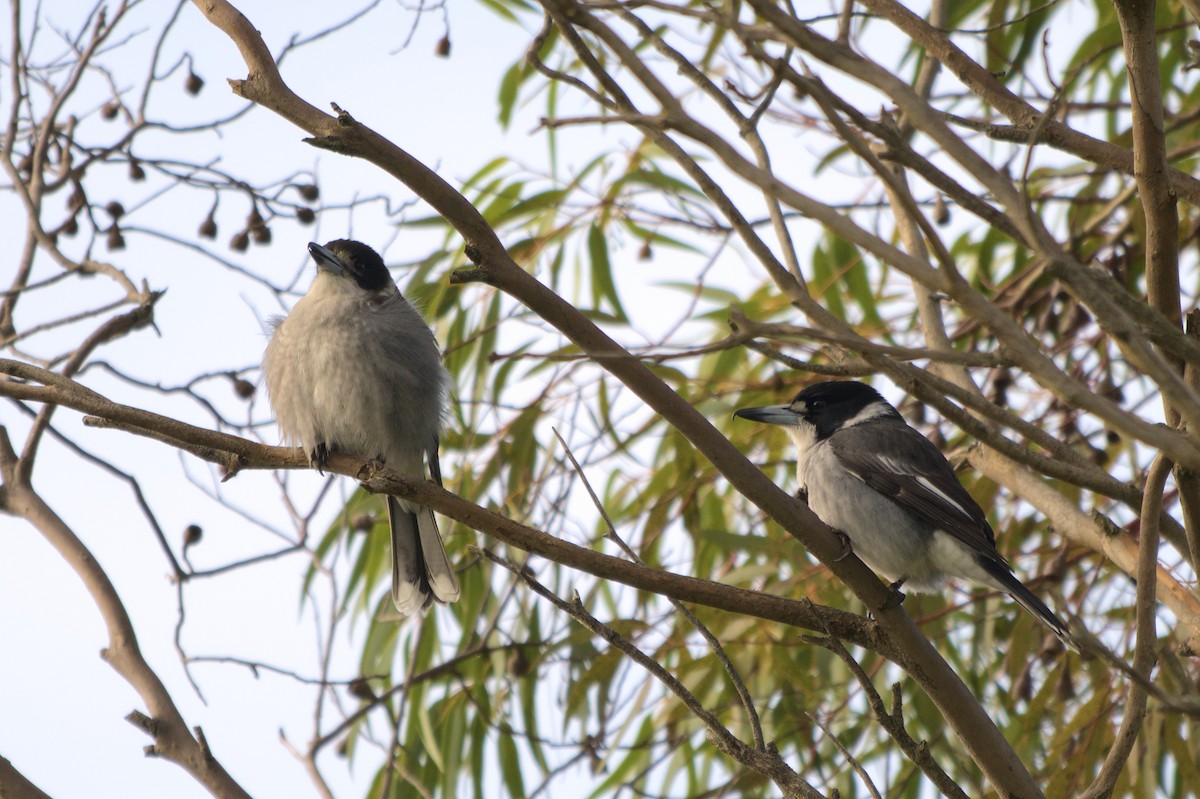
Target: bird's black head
833	404
352	259
826	407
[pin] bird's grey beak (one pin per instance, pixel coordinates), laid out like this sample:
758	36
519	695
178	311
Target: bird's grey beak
769	414
326	260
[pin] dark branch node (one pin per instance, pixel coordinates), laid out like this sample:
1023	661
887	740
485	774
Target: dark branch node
480	275
343	116
334	144
144	723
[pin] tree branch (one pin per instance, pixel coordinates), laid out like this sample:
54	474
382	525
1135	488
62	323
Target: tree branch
172	739
1073	523
1160	209
766	762
222	449
14	784
1144	655
994	93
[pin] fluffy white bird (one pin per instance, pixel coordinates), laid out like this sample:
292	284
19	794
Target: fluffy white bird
354	368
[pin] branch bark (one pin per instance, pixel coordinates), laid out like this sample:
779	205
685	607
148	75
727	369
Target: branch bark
994	93
1144	652
172	739
14	784
1151	169
223	449
1092	532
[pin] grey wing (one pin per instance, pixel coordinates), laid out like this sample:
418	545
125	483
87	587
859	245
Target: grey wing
913	473
435	465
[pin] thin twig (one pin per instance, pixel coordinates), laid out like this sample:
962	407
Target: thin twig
713	642
1147	639
892	722
766	762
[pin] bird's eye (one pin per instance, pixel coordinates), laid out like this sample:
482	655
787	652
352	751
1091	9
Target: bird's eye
816	405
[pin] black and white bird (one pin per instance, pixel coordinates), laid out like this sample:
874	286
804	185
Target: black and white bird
354	368
893	494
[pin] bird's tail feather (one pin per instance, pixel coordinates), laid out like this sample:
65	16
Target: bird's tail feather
410	584
1007	581
438	571
421	572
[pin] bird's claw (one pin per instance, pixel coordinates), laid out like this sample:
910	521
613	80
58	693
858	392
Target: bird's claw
847	549
319	458
897	596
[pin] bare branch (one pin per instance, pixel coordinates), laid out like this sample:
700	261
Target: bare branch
1151	168
1068	520
713	642
767	763
172	739
14	784
992	91
1147	638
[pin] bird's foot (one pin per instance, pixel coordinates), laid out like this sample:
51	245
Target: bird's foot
847	548
897	597
319	458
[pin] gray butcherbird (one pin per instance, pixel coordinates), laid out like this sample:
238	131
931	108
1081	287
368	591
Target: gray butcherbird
893	494
353	368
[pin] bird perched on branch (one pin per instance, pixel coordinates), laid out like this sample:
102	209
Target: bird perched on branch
354	368
890	491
